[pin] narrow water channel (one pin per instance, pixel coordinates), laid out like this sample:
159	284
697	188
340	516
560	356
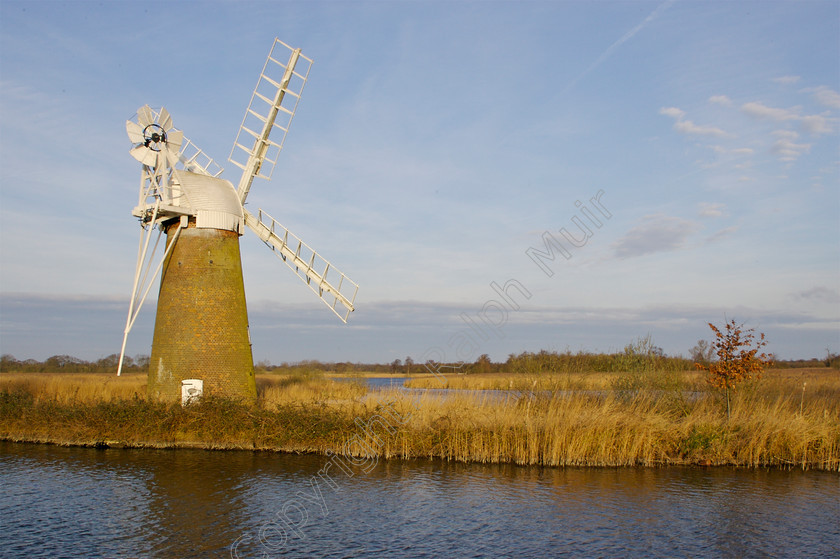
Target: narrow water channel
82	502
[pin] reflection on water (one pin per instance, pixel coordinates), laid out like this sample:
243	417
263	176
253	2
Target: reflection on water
381	386
77	502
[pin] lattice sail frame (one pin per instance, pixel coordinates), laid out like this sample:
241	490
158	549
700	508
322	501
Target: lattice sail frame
331	285
273	105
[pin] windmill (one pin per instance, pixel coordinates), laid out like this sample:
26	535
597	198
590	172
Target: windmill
201	325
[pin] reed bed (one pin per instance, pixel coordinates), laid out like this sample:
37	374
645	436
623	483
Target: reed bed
311	388
591	419
69	388
563	381
90	388
643	428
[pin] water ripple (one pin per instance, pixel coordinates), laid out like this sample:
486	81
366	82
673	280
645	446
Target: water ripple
77	502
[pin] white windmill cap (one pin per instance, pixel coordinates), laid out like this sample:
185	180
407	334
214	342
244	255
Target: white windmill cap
213	200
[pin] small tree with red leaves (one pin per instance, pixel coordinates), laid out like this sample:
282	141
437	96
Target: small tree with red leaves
738	359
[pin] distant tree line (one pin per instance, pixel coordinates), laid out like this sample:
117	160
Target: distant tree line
640	355
70	364
396	367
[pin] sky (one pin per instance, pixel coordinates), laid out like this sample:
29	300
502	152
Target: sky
497	177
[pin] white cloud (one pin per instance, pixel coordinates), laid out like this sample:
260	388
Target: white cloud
708	209
813	124
656	233
742	151
787	134
786	79
738	152
820	294
785	148
723	233
688	127
758	110
673	112
816	124
826	96
721	100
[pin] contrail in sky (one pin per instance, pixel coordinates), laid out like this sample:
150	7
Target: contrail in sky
627	36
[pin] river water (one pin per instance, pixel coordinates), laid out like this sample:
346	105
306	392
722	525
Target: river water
84	502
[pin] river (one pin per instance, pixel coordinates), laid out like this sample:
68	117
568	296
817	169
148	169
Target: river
84	502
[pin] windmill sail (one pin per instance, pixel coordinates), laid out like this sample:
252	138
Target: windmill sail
272	105
332	286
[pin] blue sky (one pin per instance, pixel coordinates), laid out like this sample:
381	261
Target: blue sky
439	149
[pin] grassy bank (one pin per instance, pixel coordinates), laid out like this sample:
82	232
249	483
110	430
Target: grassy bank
564	419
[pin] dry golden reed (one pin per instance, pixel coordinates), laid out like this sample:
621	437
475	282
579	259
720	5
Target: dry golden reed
67	388
787	419
611	430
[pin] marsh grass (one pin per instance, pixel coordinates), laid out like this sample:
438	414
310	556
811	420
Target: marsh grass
310	388
566	381
551	419
67	388
610	430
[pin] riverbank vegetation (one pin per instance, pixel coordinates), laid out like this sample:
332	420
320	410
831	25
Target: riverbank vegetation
649	415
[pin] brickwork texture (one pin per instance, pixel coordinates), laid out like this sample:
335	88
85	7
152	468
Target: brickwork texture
201	327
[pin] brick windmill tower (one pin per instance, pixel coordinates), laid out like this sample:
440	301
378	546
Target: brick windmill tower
201	325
